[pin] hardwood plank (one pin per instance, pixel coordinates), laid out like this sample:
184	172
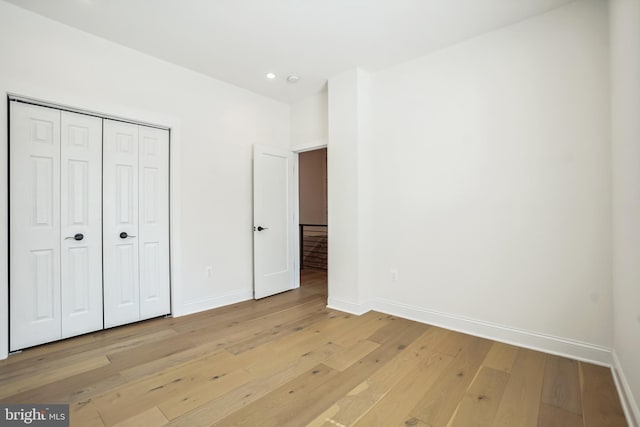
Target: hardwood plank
521	400
37	352
75	388
85	415
394	407
370	323
357	402
561	385
244	314
292	405
185	400
323	331
176	355
403	345
83	386
383	333
341	361
454	344
552	416
150	418
480	404
237	330
149	351
124	402
294	322
37	356
221	407
438	404
18	371
88	384
23	383
501	357
600	401
279	359
276	409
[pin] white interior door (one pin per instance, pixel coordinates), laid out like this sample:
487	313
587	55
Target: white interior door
34	231
81	223
120	216
153	234
273	220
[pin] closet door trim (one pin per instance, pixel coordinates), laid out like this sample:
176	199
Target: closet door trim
62	107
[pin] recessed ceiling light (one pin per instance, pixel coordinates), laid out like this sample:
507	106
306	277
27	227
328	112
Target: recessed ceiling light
270	76
293	78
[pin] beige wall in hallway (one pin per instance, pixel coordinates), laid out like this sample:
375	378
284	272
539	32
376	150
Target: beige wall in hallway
313	186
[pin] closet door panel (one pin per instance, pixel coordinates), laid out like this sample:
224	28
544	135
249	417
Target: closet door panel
34	231
120	216
154	222
81	223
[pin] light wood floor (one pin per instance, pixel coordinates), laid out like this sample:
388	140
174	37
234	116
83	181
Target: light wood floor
289	361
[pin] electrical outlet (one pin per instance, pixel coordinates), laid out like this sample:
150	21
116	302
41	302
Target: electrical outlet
209	271
394	274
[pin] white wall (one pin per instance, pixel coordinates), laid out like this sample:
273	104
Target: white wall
348	183
492	184
213	125
312	186
309	128
624	20
309	121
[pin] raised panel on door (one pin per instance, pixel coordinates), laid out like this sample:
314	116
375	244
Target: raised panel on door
81	223
120	223
34	231
153	235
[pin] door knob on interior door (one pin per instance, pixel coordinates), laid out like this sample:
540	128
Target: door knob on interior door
124	235
77	236
260	228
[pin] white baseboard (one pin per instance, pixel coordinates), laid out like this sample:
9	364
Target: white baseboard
348	306
533	340
195	306
629	404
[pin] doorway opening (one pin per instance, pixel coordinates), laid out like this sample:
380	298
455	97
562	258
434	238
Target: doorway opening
312	196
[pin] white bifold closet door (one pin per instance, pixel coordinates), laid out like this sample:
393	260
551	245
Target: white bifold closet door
81	223
136	222
55	225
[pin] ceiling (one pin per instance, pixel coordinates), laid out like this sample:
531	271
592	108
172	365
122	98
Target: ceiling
239	41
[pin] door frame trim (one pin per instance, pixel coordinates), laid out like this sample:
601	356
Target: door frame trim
297	149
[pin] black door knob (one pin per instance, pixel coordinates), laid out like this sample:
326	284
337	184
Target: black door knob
123	235
78	236
260	228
